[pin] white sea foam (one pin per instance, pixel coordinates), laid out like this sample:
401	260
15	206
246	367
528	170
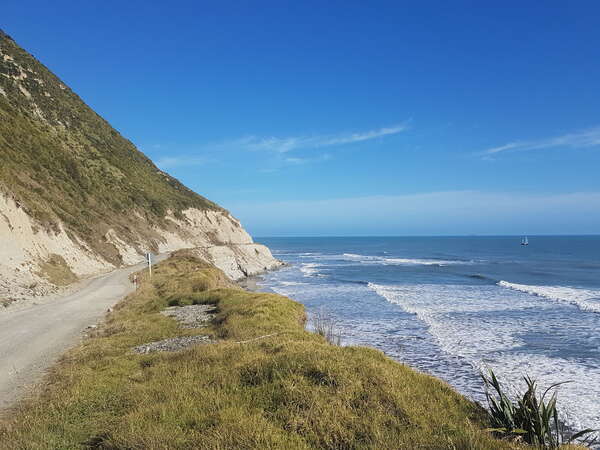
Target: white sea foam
437	304
308	292
424	262
584	299
308	255
470	323
309	269
293	283
354	256
364	259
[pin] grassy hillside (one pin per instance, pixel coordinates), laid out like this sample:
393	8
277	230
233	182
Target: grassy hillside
289	390
62	161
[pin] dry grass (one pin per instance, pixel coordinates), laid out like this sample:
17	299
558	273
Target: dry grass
56	270
289	390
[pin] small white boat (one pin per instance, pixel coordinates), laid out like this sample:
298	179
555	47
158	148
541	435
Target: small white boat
524	241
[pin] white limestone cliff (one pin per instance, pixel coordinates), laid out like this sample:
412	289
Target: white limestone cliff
25	246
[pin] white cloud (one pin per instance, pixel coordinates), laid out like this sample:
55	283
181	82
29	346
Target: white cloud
284	145
582	139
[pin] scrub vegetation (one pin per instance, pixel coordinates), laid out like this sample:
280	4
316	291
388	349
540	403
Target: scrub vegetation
262	381
64	164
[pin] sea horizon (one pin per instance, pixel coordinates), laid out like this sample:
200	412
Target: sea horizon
258	237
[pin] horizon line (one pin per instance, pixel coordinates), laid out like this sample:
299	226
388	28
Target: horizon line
428	235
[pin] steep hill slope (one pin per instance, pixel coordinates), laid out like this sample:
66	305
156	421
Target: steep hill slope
77	198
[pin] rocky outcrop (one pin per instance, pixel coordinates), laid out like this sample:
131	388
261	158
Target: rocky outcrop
239	261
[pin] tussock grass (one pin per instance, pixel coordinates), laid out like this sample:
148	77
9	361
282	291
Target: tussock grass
265	383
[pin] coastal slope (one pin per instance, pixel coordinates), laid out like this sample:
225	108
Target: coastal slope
78	199
242	373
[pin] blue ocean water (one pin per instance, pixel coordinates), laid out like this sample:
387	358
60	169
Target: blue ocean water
452	306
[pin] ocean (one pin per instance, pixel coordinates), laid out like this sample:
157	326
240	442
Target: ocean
453	306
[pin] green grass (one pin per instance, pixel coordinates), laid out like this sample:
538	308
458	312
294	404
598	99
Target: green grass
290	390
64	163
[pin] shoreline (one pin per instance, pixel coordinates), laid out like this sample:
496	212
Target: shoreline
422	323
250	283
257	357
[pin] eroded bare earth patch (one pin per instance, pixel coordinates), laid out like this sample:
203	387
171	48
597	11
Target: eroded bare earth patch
191	316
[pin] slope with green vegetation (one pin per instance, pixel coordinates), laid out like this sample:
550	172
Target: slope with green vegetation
262	382
64	163
77	198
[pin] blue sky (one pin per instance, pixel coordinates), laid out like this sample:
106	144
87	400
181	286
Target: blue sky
348	118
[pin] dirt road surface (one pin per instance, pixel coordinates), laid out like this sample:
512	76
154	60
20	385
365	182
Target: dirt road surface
32	337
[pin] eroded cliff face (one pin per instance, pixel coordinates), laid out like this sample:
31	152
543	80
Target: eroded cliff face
35	261
78	199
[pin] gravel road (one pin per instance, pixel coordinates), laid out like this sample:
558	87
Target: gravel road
32	337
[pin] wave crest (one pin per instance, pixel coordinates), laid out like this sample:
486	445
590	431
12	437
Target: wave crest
363	259
584	299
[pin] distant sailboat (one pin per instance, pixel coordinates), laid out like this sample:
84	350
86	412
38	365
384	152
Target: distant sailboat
524	241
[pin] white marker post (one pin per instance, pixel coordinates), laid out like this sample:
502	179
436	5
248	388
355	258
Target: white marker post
149	259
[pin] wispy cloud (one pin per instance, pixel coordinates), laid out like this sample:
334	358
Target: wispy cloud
287	144
298	161
277	149
582	139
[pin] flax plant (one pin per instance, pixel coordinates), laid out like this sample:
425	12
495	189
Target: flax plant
530	417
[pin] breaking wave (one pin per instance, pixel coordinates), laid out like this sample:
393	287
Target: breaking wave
470	323
363	259
310	269
584	299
